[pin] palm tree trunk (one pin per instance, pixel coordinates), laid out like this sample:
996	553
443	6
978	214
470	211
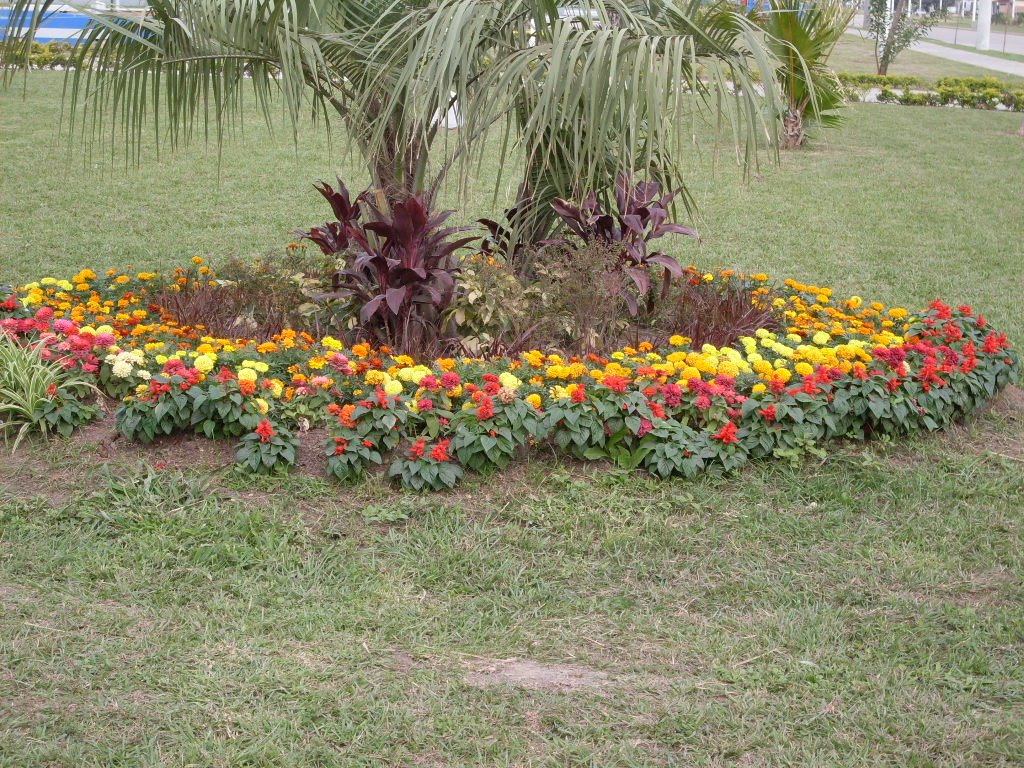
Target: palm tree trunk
792	129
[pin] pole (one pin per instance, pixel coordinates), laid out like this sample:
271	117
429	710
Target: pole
984	33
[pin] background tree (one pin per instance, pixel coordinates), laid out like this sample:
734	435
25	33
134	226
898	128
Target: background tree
580	95
894	33
802	37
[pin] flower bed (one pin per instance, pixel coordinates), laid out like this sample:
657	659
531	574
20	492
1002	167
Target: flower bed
832	369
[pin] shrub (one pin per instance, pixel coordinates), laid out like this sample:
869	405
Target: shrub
641	216
584	306
493	311
252	300
399	267
268	449
717	312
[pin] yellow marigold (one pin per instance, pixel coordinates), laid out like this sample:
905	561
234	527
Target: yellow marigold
393	387
758	388
361	350
821	338
316	363
374	378
534	400
509	381
262	406
203	363
727	368
197	260
804	369
783	375
678	341
689	373
898	313
329	342
247	374
446	364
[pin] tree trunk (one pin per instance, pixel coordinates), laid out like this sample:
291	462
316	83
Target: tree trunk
890	37
792	129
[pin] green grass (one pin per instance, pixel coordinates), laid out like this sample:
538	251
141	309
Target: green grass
855	54
861	611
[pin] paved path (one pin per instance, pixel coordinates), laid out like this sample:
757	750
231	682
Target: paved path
1006	66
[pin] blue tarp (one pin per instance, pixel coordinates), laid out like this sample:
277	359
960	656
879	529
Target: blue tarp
58	25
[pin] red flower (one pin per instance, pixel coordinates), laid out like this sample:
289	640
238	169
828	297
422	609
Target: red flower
579	394
368	443
645	427
224	375
340	445
768	413
942	310
485	410
440	451
265	431
726	434
51	390
247	388
656	410
449	380
673	395
616	383
416	451
425	405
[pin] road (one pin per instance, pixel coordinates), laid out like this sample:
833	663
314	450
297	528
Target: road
964	36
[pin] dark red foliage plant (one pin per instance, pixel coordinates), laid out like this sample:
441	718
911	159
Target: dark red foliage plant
397	268
641	217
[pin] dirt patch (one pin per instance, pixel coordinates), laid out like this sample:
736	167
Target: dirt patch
1010	403
310	459
535	675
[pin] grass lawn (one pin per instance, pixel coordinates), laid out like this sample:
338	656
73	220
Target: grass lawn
856	54
863	610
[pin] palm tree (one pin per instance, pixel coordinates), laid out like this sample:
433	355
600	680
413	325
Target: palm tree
803	37
581	93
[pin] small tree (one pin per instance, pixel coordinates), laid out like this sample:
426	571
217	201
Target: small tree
896	32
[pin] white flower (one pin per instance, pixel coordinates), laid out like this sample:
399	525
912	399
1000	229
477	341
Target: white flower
122	369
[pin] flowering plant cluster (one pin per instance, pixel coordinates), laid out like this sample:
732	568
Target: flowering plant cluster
823	368
266	450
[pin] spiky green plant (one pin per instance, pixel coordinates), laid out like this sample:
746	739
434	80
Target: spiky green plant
581	90
802	36
38	394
